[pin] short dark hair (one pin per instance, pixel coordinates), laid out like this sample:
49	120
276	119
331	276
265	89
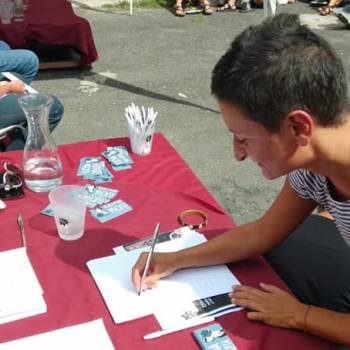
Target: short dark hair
278	66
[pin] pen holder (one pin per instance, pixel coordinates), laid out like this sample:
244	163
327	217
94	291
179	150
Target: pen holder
141	124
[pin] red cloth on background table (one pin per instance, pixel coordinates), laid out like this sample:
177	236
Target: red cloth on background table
52	22
158	187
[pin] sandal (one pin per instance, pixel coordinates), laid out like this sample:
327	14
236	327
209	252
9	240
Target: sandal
245	7
207	10
179	11
318	3
325	10
229	6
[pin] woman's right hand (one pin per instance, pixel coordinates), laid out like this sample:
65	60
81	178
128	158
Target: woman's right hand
162	265
15	86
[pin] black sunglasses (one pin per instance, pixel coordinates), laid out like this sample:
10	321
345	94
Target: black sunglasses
11	184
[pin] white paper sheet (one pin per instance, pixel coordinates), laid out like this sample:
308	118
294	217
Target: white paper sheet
88	336
20	292
21	306
173	315
17	274
112	275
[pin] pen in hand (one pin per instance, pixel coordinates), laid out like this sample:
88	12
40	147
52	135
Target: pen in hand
149	257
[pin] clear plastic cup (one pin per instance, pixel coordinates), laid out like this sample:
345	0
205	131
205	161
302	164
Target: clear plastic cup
18	11
6	11
68	203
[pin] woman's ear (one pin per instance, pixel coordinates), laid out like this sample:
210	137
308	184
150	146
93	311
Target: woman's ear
300	126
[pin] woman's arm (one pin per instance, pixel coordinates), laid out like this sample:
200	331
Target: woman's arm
243	242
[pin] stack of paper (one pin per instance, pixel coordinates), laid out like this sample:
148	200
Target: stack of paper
112	275
20	293
88	336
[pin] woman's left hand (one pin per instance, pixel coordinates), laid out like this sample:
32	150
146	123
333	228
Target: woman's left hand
270	305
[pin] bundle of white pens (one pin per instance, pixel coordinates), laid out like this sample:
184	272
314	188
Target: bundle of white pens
141	128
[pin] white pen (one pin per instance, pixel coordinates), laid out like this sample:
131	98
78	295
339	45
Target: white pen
186	324
149	256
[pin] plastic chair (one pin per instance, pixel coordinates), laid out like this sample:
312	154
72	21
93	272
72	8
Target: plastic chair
5	131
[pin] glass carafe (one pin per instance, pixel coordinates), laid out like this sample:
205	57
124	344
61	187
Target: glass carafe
42	167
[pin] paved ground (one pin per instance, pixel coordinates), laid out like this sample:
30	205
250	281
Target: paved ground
155	59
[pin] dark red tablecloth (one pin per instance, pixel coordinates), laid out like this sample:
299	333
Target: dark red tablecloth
52	22
158	188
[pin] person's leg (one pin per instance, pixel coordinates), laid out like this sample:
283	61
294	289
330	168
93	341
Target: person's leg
228	5
314	262
205	4
178	9
23	62
56	113
11	113
4	46
244	6
327	9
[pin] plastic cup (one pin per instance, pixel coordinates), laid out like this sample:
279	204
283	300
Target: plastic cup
18	11
6	11
141	141
68	204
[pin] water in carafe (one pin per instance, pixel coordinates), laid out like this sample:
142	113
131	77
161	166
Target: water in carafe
42	167
42	173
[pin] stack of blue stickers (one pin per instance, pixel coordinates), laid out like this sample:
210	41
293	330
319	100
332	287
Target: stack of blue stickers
94	168
97	195
213	337
110	211
97	200
119	157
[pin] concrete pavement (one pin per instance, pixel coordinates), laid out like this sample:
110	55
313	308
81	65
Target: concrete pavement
155	59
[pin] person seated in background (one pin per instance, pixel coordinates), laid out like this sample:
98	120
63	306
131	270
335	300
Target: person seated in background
204	5
24	64
273	89
18	61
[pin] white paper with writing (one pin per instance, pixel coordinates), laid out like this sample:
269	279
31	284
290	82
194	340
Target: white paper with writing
112	275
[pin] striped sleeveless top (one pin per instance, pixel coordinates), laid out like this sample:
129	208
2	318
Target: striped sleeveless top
309	185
